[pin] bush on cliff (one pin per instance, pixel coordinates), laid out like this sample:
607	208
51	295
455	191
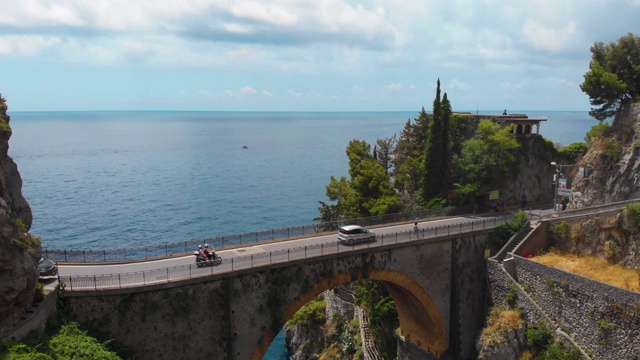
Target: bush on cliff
69	343
504	232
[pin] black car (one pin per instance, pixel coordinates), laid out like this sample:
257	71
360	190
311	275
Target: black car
48	269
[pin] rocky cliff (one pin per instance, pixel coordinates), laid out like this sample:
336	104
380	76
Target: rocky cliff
19	251
612	162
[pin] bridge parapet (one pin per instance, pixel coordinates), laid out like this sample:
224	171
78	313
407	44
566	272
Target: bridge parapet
233	240
263	258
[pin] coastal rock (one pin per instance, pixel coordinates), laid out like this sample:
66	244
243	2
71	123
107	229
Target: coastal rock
611	165
509	348
19	251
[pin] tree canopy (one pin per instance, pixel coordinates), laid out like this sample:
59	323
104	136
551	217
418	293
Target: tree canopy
614	75
367	192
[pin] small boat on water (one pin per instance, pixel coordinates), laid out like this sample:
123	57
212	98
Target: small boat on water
245	147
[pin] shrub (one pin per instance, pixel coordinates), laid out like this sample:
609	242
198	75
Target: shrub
574	150
612	150
611	251
313	312
558	351
502	233
512	294
73	343
561	230
539	337
604	324
39	293
598	130
633	215
499	322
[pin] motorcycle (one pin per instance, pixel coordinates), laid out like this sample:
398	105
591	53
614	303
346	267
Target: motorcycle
203	261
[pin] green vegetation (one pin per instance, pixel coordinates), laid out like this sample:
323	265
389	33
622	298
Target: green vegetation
69	343
512	294
439	159
598	130
368	191
486	158
539	337
632	212
313	312
614	75
499	322
560	231
375	300
611	251
25	240
574	150
504	232
435	175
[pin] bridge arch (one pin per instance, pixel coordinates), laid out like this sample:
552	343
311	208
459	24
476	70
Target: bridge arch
420	320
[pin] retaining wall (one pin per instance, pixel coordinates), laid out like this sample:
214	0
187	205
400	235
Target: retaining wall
603	319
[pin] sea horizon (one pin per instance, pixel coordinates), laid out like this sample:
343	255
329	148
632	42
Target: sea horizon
113	179
483	112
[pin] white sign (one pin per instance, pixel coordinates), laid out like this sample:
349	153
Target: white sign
565	192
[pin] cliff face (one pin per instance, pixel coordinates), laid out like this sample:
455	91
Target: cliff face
19	251
611	164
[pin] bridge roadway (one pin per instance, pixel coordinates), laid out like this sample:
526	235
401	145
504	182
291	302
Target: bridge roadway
259	254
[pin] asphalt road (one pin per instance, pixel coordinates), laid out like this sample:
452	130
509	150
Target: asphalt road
278	247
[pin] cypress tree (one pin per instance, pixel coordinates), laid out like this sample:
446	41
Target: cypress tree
446	126
432	181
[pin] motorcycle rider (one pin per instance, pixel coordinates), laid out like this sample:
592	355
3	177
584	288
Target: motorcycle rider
202	253
211	255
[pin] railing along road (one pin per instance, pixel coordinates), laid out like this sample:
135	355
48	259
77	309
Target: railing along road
165	275
221	242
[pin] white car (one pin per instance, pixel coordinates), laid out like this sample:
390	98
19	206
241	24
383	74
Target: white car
351	234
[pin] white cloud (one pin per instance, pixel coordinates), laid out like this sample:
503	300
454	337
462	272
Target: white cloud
247	90
294	93
266	93
228	93
26	45
394	87
456	84
548	38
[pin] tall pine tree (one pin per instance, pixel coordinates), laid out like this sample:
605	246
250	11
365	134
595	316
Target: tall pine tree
446	135
435	153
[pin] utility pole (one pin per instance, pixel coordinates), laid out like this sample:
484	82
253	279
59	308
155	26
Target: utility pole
556	179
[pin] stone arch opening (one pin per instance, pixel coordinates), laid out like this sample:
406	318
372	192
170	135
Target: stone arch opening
519	129
420	320
527	129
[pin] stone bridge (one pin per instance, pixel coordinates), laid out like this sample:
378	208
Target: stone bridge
437	285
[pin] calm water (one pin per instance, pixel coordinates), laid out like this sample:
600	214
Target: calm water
123	179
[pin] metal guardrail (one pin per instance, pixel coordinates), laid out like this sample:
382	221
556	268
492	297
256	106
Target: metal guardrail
221	242
596	208
167	275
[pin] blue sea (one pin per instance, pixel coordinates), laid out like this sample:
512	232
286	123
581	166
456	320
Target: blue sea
99	180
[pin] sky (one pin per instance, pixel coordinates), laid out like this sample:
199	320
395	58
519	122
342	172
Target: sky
302	55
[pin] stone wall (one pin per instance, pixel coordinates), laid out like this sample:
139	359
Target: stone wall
603	319
467	294
500	283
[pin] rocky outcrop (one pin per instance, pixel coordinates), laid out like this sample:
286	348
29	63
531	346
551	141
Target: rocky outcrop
306	340
510	347
19	251
611	164
613	236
